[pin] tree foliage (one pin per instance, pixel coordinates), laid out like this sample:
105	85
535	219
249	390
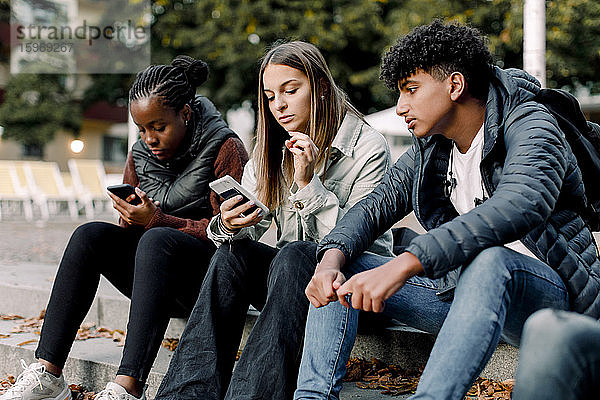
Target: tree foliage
36	107
232	35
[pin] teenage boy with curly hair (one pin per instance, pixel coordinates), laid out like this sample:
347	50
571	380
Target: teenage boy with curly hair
492	179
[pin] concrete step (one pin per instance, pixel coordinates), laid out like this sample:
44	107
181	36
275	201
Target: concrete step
26	288
93	362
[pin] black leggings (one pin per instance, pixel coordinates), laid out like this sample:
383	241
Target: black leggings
160	270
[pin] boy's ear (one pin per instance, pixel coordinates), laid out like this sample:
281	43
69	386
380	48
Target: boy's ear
458	86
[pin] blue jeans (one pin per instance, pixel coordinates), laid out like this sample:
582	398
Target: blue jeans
495	294
559	357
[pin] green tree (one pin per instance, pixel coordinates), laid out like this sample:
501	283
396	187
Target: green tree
36	107
572	33
232	36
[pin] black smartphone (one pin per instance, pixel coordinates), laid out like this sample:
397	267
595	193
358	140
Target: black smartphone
123	191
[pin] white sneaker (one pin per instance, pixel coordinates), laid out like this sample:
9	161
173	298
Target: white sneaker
114	391
35	383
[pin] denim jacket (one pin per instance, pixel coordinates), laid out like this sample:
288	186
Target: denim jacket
359	158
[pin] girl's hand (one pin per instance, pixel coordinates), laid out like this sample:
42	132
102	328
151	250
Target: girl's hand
305	156
235	215
135	215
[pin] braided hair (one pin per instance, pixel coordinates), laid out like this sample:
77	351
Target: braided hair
175	85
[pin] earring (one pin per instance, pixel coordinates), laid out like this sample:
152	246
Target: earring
322	97
186	122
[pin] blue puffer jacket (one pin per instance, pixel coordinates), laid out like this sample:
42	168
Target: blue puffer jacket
536	191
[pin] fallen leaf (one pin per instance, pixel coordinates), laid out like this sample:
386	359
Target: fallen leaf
9	317
395	381
119	337
170	343
27	342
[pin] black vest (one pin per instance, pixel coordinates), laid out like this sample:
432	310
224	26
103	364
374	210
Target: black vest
180	184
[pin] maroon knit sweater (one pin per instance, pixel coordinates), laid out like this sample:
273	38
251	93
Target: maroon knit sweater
230	161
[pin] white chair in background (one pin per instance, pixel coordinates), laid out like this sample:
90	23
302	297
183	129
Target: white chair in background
12	191
89	182
48	189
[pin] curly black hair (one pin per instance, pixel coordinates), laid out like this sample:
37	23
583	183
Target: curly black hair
440	49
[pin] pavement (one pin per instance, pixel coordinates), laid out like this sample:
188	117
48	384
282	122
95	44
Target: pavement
29	255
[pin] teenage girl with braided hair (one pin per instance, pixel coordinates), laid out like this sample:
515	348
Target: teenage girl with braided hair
184	144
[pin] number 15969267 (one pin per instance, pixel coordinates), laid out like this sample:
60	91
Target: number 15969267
43	47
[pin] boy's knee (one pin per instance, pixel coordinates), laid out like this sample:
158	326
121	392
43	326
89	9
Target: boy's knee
490	262
541	321
299	251
561	328
293	266
490	256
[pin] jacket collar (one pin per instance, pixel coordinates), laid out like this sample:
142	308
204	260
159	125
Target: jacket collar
508	90
347	135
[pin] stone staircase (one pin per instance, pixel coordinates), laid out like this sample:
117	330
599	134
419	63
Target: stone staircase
25	289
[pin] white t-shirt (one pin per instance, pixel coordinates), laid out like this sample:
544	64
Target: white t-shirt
469	185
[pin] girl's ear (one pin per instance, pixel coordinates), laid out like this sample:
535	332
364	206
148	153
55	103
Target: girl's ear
186	113
324	88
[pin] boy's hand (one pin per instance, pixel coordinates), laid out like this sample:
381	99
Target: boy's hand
321	289
369	289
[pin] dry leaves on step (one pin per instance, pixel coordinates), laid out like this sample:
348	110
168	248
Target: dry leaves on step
376	375
170	343
395	381
27	342
30	325
10	317
79	393
5	383
487	389
89	331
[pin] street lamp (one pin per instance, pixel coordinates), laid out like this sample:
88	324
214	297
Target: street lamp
77	146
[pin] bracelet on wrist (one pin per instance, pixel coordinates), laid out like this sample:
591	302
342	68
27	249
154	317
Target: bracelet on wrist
225	228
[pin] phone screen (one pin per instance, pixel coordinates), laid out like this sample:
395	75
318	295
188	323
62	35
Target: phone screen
123	191
233	192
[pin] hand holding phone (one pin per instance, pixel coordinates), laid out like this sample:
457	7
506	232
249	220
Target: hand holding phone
123	191
227	187
240	208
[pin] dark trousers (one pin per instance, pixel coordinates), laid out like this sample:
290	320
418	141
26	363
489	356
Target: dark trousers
160	270
243	273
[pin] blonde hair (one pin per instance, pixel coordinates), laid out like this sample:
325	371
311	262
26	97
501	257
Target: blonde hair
328	106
